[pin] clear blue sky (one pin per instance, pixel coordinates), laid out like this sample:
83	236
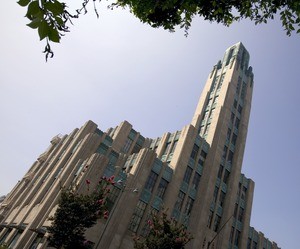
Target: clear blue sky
115	68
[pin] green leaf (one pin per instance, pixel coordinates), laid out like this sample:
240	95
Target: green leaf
53	35
35	23
55	7
43	30
23	3
33	8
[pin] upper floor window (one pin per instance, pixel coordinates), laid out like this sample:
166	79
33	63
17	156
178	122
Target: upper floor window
196	180
179	201
162	187
187	174
195	151
151	181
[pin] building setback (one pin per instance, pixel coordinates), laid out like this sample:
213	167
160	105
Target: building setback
195	173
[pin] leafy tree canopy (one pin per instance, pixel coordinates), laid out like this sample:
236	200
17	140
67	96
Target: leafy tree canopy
77	212
52	17
164	233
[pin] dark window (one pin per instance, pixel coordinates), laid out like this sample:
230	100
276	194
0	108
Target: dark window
180	199
203	154
226	176
187	174
189	205
233	139
112	197
220	172
137	216
235	210
249	243
241	214
238	87
195	151
217	223
162	187
237	238
224	151
228	134
235	103
216	193
237	123
240	108
200	161
209	218
151	181
37	241
232	117
127	145
231	235
222	198
196	180
230	156
254	245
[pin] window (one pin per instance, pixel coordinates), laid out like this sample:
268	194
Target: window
237	123
203	154
232	117
112	197
240	108
209	218
127	145
5	235
195	151
231	235
237	238
167	148
205	115
216	193
249	243
37	241
228	134
151	181
254	245
15	239
222	198
233	139
189	205
238	87
137	216
226	176
230	156
196	180
209	102
212	112
187	174
241	214
173	146
221	81
235	103
207	129
180	199
162	187
224	151
201	130
235	210
217	223
220	172
216	99
244	89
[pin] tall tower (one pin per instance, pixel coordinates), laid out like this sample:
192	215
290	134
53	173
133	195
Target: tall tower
221	118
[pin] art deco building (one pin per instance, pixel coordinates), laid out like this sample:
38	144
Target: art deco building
195	173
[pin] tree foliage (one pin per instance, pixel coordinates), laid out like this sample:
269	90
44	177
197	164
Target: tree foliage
164	233
52	17
77	212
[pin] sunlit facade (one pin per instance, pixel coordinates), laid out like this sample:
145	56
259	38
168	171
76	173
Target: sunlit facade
194	173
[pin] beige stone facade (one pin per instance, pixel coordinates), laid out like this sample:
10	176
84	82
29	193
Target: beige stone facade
195	173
